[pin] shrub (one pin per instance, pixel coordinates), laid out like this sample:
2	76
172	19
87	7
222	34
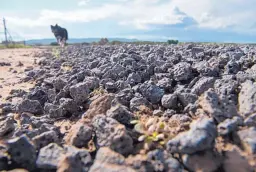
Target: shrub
116	42
54	44
172	41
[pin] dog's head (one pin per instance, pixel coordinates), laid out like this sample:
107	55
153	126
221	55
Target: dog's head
54	28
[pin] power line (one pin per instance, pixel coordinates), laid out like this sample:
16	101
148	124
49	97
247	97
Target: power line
8	36
15	35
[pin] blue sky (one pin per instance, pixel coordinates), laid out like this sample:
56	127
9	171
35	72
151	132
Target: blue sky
185	20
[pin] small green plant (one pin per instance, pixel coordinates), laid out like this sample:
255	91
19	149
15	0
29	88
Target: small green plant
154	133
66	68
98	91
56	53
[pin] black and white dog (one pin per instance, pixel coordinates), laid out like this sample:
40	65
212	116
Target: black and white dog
61	34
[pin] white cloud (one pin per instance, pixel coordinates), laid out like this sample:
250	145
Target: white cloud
142	13
83	2
139	13
220	14
236	15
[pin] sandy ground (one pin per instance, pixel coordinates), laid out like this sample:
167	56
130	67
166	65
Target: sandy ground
8	78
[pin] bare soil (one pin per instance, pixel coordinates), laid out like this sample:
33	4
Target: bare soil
10	76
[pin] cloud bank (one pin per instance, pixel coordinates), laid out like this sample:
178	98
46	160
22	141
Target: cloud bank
229	15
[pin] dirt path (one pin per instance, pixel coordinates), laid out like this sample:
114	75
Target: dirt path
11	75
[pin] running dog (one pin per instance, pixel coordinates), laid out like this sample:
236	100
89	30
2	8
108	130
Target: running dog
61	34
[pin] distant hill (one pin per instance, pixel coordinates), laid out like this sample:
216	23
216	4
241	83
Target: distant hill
76	40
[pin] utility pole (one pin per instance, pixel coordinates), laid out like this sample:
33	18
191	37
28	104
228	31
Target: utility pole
5	33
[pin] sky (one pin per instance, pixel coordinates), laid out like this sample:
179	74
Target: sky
184	20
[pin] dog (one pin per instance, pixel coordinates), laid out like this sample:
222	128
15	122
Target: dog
61	34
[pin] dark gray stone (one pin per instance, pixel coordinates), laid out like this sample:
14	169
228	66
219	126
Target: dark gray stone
137	102
111	133
200	137
45	138
134	78
75	160
38	94
247	98
31	106
170	101
182	71
248	139
124	97
69	105
250	120
229	125
151	92
22	152
121	114
109	161
59	83
92	82
202	85
187	98
205	161
6	126
49	157
217	108
166	84
79	92
80	135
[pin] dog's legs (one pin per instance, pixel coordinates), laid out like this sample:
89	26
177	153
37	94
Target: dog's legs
59	41
63	42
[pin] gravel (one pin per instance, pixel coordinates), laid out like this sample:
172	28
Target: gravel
87	110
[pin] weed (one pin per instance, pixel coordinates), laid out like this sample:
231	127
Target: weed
98	91
56	53
2	46
154	131
66	68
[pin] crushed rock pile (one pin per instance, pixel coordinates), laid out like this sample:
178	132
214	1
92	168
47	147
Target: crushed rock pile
188	107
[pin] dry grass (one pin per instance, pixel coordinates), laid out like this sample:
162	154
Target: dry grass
2	46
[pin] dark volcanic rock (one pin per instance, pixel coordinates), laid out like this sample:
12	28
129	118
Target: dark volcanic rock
79	92
200	137
111	133
121	114
247	100
79	135
81	114
38	94
49	157
248	139
22	152
31	106
6	126
75	160
109	161
151	92
45	138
